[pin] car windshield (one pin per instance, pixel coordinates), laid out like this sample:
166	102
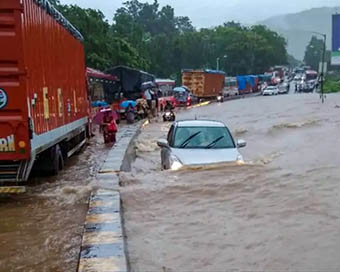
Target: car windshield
203	137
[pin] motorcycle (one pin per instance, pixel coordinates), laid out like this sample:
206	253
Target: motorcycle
220	99
169	116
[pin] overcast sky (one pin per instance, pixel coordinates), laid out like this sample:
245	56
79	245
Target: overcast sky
206	13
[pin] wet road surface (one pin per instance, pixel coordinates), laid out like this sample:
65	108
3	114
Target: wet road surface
42	230
280	211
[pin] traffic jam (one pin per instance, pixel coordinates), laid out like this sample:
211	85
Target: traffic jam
73	137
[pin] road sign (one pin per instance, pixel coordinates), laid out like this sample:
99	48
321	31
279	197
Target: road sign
335	59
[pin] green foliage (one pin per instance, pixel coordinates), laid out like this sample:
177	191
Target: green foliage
332	84
103	49
149	37
313	53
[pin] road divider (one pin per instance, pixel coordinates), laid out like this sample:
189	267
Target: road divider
103	246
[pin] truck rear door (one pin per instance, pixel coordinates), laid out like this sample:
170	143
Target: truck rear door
14	121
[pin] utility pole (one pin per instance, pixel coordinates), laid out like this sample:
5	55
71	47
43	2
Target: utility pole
323	68
218	64
323	63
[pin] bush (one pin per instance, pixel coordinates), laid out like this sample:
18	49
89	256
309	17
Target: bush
332	84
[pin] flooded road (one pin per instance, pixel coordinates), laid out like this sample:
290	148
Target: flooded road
42	230
280	211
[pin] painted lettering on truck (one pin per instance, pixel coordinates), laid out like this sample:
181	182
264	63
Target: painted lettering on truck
7	144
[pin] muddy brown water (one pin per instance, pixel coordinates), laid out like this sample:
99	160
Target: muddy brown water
278	212
42	230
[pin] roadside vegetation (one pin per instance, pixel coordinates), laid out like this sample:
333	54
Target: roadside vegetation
332	84
153	38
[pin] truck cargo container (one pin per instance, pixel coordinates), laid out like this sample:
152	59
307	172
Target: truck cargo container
204	83
43	91
244	84
130	81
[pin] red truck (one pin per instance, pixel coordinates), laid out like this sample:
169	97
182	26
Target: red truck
43	91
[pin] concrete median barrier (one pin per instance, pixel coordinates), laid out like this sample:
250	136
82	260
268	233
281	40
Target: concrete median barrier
103	245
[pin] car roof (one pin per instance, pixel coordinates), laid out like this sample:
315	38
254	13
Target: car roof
199	123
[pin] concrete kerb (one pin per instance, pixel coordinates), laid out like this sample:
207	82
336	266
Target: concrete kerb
103	246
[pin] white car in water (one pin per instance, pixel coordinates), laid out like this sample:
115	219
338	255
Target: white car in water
194	143
271	90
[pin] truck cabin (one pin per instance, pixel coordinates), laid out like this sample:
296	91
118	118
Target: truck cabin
311	75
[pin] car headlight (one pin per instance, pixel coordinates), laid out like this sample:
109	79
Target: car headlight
175	163
239	159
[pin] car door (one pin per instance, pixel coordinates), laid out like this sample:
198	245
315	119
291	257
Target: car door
166	151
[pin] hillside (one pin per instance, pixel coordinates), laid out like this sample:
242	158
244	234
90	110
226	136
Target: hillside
297	28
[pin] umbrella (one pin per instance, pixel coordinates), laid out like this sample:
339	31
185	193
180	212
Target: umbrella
99	117
95	104
181	89
148	84
126	103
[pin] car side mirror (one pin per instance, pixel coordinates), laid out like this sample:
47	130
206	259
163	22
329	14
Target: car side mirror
241	143
163	143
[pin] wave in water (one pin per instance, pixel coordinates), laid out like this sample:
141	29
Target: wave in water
296	124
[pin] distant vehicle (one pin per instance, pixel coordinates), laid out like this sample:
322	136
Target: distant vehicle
185	98
165	92
169	116
311	75
198	143
280	71
204	83
283	89
298	77
309	86
271	90
230	87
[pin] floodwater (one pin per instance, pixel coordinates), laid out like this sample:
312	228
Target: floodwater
278	212
42	230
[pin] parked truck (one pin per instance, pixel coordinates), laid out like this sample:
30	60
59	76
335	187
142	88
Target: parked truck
204	83
43	91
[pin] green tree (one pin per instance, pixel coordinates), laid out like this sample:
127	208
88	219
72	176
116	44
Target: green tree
313	53
153	38
102	48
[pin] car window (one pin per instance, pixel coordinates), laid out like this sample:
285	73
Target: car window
203	137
